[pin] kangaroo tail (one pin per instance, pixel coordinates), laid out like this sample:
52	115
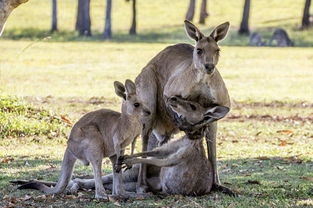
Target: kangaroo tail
65	177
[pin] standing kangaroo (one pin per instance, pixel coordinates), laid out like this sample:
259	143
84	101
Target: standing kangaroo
188	72
184	167
99	134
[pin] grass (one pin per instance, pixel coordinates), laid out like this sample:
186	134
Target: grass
32	21
264	144
75	69
73	78
19	119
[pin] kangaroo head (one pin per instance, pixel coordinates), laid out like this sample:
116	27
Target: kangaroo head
192	113
131	104
206	51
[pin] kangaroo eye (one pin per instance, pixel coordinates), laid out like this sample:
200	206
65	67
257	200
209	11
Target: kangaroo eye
136	105
193	107
199	51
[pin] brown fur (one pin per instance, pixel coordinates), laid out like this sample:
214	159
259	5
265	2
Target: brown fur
179	70
100	134
184	167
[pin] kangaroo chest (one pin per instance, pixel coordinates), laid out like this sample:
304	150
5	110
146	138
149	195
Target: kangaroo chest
193	86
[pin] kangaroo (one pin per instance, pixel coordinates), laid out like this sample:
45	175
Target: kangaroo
188	72
184	167
99	134
256	40
6	7
281	38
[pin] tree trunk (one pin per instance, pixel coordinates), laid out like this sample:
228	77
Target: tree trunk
191	10
54	26
203	12
83	22
132	30
306	14
244	26
107	28
6	7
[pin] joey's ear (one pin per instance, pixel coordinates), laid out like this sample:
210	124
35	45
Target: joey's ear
220	32
216	113
192	31
120	89
130	87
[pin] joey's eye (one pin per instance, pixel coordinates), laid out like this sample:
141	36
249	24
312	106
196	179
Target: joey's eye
136	105
218	50
193	107
199	51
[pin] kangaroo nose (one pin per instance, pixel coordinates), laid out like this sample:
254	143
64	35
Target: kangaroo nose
147	112
209	67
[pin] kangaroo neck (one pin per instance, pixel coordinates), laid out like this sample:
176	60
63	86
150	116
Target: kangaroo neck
200	75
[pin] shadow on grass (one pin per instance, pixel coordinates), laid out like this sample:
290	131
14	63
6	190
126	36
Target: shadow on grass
263	182
174	34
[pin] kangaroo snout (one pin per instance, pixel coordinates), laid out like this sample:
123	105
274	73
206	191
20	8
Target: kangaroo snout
146	113
209	67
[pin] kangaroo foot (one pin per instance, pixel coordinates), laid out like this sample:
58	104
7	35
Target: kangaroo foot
224	189
102	197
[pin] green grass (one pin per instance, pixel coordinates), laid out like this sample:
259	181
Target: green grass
75	69
18	119
267	137
270	89
158	21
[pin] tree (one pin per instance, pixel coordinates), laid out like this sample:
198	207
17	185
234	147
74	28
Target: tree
107	28
306	14
244	26
203	12
6	7
191	10
133	28
83	22
54	26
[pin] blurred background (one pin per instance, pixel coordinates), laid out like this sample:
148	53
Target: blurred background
157	21
59	59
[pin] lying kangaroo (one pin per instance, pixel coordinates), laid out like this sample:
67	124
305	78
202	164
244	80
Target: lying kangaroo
184	166
6	7
188	72
99	134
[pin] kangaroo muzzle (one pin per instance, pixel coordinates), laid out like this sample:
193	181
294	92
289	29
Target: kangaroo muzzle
209	68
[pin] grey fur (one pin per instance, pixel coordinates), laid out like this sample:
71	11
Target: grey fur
99	134
179	70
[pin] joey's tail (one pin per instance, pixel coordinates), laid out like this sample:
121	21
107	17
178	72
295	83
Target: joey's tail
65	177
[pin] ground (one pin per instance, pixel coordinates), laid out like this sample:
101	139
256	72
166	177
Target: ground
264	144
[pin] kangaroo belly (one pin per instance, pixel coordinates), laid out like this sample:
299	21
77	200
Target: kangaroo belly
187	178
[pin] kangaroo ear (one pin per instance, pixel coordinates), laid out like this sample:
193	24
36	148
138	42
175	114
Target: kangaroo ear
130	87
192	31
120	89
216	113
220	32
